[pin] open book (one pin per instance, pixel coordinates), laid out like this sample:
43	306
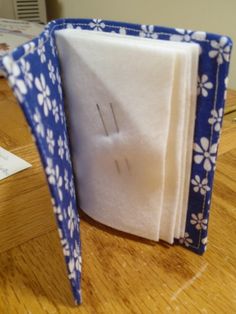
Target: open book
127	120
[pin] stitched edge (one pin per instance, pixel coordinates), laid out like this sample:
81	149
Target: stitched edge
49	36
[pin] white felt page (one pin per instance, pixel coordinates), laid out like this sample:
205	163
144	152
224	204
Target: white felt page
123	98
179	153
173	165
188	140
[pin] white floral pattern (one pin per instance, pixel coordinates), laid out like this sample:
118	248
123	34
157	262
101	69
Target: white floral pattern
204	85
72	221
50	171
204	241
97	25
60	144
54	177
44	94
59	182
29	47
57	210
186	240
50	141
69	26
148	31
59	82
122	31
221	50
72	188
64	243
216	118
38	121
205	153
74	264
16	82
226	86
66	180
51	72
77	257
200	186
188	35
55	110
53	46
198	221
41	50
67	150
28	76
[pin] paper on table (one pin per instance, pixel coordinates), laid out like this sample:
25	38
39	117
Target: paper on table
11	164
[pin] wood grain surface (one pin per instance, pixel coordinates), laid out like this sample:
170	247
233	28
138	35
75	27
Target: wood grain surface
30	215
121	273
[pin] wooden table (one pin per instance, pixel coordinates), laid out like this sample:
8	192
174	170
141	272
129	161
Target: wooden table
121	273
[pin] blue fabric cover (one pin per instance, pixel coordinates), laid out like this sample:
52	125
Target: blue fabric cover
33	72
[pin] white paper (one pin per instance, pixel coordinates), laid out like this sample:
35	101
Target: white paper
11	164
128	113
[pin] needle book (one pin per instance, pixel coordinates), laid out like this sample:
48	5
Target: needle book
127	120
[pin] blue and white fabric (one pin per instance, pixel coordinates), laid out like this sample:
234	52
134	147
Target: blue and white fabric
33	72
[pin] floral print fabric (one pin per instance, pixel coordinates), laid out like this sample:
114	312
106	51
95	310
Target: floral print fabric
33	71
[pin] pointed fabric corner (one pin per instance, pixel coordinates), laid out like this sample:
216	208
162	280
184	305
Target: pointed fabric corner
33	73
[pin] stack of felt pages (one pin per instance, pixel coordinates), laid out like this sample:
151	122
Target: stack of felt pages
143	108
131	111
